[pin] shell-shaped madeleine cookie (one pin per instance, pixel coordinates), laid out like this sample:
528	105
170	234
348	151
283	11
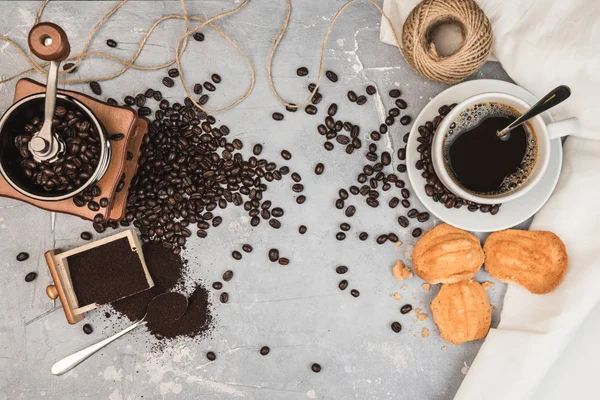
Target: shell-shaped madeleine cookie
536	260
462	311
447	254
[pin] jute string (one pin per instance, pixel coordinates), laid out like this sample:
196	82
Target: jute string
421	53
180	50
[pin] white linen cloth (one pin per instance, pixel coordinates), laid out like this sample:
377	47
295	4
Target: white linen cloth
539	349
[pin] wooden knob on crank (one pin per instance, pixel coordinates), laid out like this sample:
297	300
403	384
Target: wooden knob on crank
51	292
49	42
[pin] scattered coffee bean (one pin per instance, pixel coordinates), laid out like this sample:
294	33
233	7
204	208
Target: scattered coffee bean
211	356
332	76
405	120
168	82
394	201
227	275
277	116
343	284
30	276
96	89
392	237
360	100
381	239
396	327
403	221
342	269
332	110
257	149
423	217
300	199
355	293
274	223
116	137
350	211
247	248
217	285
273	255
345	226
352	96
413	213
319	168
68	66
197	88
315	368
216	78
22	256
283	261
236	255
209	86
86	235
224	297
87	328
302	71
264	350
173	72
302	229
371	90
311	109
405	309
394	93
417	232
340	236
286	155
363	236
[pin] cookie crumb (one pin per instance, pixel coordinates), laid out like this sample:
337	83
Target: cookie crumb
417	311
397	296
426	286
401	272
398	243
425	333
487	285
421	317
443	348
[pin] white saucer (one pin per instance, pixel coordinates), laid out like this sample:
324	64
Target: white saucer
511	213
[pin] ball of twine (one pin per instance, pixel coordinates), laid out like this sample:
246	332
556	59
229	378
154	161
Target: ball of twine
420	51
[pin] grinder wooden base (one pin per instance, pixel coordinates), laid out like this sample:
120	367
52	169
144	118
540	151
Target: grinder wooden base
115	120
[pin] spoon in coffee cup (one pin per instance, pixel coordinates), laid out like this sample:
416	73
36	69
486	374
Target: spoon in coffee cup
178	307
555	97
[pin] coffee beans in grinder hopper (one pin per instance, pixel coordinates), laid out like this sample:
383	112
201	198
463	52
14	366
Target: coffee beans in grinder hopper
73	168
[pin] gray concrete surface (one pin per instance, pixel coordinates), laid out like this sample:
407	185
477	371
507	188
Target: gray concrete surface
296	310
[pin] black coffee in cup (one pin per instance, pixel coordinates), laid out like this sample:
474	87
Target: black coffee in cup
478	160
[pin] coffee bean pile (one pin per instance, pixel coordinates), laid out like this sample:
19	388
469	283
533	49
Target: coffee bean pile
76	165
434	188
187	169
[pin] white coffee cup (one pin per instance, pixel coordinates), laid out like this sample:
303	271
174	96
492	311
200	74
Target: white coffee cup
544	133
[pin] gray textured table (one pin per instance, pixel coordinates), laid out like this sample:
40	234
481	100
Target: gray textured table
298	310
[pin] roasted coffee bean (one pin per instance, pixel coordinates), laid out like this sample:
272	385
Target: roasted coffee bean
157	95
302	71
328	146
274	223
283	261
394	201
394	93
68	66
277	116
403	221
405	193
199	36
302	229
300	199
277	212
86	235
224	297
355	293
273	255
173	72
315	368
332	110
352	96
417	232
495	209
401	104
405	120
298	187
394	112
22	256
216	78
316	99
209	86
332	76
340	236
402	154
168	82
343	284
112	101
372	202
363	236
236	255
311	109
116	137
345	226
255	221
264	350
350	211
389	120
257	149
92	205
197	88
30	276
381	239
87	328
210	355
343	194
405	203
286	155
227	275
203	99
342	269
96	89
405	309
413	213
319	168
360	100
396	327
392	237
423	217
371	90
